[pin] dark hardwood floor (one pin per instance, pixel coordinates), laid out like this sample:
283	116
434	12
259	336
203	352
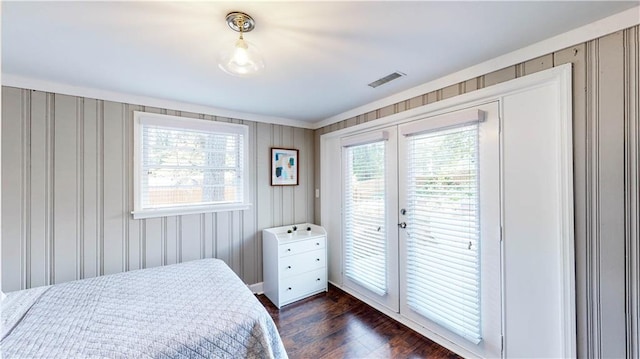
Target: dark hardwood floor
337	325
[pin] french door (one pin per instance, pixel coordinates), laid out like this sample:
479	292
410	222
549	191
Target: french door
450	246
421	223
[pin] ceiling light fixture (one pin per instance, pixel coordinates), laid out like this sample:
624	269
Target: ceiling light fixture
243	59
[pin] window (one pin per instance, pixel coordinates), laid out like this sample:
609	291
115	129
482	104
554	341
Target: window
185	165
370	233
364	207
443	256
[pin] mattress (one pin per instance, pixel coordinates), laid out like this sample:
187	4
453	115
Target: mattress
197	309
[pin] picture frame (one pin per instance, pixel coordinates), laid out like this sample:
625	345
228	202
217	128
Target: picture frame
284	166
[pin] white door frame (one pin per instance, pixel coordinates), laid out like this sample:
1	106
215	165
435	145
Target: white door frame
560	80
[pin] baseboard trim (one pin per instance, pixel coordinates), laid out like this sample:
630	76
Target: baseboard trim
256	288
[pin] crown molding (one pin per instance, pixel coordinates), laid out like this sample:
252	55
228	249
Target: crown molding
88	92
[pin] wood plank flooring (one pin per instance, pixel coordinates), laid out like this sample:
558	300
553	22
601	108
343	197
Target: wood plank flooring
337	325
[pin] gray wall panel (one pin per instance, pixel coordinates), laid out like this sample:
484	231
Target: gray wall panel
90	175
264	199
152	245
38	196
248	242
114	212
223	236
209	235
68	194
191	237
171	252
632	188
133	228
65	223
316	182
13	194
609	134
277	198
299	200
287	191
309	193
236	244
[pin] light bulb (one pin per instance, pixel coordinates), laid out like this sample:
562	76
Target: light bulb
241	53
241	60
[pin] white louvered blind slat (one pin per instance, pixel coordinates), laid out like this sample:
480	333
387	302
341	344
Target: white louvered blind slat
443	256
364	208
182	166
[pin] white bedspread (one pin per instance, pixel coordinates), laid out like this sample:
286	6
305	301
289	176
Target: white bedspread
198	309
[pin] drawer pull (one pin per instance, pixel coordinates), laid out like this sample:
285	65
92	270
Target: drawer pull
288	267
317	280
289	288
317	259
317	243
288	249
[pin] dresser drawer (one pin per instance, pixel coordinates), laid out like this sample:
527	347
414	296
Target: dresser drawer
306	245
299	286
303	262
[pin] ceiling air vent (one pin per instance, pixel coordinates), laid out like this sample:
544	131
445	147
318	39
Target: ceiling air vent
386	79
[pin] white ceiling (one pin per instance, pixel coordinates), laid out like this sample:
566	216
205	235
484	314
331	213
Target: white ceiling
319	56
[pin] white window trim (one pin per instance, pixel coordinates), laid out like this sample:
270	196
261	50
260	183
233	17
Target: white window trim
140	118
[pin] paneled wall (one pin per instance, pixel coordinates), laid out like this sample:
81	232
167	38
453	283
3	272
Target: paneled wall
606	128
67	194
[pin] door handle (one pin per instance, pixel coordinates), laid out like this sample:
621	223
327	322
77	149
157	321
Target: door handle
402	225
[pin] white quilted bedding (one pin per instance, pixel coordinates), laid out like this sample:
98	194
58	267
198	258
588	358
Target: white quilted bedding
198	309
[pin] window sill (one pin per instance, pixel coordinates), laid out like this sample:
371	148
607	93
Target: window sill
165	212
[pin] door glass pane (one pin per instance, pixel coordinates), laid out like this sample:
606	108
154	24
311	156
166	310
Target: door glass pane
364	205
443	256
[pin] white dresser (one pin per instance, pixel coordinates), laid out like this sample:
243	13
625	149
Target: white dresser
294	265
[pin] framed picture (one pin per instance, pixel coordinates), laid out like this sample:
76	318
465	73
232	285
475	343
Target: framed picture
284	167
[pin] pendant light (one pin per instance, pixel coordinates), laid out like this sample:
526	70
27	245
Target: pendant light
243	59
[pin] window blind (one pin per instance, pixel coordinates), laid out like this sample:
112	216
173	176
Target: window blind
443	263
364	210
190	166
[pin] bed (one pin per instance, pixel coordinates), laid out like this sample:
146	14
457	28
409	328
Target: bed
197	309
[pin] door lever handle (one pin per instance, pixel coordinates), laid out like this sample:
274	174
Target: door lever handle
402	225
